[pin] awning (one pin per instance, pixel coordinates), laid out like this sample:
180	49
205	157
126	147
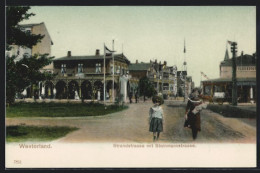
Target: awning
240	81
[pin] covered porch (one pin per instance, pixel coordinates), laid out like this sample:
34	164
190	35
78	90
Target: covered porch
246	88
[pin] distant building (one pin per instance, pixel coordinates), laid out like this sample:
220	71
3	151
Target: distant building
245	74
163	77
184	80
83	76
43	47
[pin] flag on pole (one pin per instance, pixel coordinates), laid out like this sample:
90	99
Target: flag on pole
204	75
229	42
108	52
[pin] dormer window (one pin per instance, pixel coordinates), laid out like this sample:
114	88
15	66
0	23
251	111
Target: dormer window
98	68
63	68
80	68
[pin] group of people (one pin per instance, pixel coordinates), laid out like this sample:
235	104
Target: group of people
131	96
191	117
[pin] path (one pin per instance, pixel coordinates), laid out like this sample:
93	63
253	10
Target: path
131	125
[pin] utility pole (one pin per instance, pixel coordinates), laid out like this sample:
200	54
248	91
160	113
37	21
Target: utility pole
184	69
113	87
234	71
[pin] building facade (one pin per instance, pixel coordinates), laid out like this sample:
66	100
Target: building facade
184	84
83	77
163	77
245	75
43	47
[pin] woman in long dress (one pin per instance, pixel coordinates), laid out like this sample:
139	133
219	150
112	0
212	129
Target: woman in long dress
192	114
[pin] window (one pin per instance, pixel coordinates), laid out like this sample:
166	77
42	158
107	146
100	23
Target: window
80	68
118	70
111	68
98	68
28	32
8	53
63	68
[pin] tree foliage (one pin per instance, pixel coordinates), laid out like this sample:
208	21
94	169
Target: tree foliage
146	87
180	92
14	34
25	72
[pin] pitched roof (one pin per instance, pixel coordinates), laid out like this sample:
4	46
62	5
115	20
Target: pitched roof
226	55
90	57
244	60
34	24
139	67
30	25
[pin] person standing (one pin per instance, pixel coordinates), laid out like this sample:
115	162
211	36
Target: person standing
136	97
192	114
130	96
156	117
98	95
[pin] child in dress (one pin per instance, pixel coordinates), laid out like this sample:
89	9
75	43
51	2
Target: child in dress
156	117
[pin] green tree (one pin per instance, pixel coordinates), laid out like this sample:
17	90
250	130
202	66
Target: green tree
146	87
14	35
20	74
180	92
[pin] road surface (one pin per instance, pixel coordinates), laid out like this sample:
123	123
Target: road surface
132	125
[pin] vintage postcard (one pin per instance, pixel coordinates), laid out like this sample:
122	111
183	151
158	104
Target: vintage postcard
130	86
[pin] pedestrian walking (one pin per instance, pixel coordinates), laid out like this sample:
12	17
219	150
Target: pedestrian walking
192	114
130	96
156	117
136	97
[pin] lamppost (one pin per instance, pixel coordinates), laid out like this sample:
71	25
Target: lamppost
234	71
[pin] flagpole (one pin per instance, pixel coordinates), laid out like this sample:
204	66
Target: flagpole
113	74
184	67
104	68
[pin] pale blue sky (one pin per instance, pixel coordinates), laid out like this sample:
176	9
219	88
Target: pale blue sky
152	32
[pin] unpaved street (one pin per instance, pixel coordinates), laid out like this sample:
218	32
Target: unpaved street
131	125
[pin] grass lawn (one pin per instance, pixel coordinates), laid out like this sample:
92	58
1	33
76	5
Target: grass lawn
52	109
35	133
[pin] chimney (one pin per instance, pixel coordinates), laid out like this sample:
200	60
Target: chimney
97	52
69	54
254	58
254	55
242	53
136	62
165	63
156	61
